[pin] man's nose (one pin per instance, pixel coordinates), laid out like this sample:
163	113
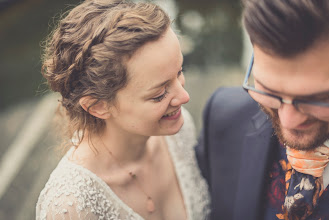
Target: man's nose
290	117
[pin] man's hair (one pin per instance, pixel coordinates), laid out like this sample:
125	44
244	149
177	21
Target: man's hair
286	27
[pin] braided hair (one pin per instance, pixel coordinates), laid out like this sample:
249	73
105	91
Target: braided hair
86	53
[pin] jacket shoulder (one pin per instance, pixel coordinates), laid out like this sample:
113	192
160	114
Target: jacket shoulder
229	105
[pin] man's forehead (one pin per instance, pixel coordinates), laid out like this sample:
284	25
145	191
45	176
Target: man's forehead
306	74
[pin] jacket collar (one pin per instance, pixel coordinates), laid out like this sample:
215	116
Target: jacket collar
255	154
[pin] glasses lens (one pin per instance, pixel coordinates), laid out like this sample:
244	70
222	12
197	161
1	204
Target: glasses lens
265	100
318	111
259	96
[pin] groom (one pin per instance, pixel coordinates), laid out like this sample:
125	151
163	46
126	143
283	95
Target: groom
264	147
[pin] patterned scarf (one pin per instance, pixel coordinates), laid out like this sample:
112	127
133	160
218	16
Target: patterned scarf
304	182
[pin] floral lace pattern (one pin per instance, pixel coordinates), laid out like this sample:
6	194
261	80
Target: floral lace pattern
73	192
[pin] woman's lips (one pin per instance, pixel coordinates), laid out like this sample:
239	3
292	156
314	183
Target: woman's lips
173	115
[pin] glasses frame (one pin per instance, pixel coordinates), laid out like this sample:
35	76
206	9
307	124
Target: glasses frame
294	102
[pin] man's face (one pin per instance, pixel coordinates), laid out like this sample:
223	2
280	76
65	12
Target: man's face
305	76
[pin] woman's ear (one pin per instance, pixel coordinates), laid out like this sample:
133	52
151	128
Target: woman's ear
99	109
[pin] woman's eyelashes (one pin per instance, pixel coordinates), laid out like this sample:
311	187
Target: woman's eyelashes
181	72
161	97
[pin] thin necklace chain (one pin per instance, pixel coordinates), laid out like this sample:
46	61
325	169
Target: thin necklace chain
150	207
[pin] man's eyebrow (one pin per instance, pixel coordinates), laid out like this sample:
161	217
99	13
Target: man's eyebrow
314	95
265	87
319	95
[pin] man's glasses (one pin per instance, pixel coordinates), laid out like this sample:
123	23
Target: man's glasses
318	109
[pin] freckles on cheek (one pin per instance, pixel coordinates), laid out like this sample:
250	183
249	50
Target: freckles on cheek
133	126
129	105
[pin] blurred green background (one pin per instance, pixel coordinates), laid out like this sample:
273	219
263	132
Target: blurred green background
212	27
24	24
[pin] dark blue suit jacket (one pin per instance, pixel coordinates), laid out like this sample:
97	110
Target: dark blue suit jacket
234	152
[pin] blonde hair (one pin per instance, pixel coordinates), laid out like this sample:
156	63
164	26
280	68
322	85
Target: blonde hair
86	53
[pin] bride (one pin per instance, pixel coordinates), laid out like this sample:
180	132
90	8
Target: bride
118	68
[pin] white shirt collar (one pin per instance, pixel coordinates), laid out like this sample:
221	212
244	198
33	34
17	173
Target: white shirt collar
326	170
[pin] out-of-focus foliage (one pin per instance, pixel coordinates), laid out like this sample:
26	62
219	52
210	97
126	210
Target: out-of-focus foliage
220	39
24	24
211	28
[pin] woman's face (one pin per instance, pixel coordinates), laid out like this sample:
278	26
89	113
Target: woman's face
151	102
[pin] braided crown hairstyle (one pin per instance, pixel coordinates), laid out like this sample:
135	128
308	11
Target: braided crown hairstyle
86	54
286	27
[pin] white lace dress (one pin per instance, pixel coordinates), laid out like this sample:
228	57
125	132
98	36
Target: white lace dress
74	192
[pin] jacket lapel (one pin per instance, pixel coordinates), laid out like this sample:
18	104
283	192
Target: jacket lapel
255	153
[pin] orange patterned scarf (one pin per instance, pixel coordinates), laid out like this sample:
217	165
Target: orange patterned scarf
304	182
309	162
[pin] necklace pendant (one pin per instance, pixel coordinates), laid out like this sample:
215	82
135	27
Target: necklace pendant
150	205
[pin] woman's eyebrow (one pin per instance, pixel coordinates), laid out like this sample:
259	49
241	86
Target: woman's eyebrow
159	85
163	83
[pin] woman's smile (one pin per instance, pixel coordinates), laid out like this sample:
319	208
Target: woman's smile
173	115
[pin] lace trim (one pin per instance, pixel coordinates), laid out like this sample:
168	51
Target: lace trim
74	192
193	186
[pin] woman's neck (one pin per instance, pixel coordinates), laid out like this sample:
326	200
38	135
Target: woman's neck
113	146
125	147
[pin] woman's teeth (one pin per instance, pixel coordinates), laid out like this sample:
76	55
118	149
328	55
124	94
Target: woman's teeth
171	114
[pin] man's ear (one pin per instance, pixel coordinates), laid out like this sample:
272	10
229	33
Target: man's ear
99	109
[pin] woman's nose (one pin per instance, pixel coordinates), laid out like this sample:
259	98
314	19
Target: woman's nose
181	97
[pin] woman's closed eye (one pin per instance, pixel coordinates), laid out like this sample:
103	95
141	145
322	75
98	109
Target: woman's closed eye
160	97
180	72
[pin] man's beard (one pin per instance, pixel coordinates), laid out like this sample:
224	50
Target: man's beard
321	135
